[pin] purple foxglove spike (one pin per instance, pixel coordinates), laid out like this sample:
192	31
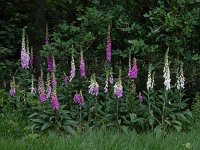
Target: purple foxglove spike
109	47
54	101
82	66
12	91
64	79
132	74
43	97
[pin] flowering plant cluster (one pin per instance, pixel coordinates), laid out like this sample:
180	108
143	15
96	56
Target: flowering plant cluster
93	88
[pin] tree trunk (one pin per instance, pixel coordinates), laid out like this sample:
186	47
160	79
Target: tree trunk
38	18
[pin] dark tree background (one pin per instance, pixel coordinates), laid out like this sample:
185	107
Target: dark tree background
145	27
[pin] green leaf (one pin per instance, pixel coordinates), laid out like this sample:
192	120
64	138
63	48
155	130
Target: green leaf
45	126
70	130
38	120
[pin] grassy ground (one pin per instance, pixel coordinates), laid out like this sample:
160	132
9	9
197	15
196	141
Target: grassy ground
14	135
102	140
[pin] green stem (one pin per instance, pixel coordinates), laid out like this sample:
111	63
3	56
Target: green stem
80	119
117	109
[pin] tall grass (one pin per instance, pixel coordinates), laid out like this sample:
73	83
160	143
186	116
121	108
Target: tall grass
102	140
15	135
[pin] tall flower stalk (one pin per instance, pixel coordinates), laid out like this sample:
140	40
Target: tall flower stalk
47	36
94	86
106	83
48	86
41	90
111	76
23	52
109	47
54	83
64	79
54	100
31	57
180	77
33	91
118	88
82	66
27	52
51	63
150	80
133	72
12	87
166	72
78	99
73	69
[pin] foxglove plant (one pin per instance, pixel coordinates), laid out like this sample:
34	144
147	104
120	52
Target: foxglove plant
48	87
94	86
54	83
150	81
82	66
23	51
109	47
27	53
46	37
118	88
51	63
33	91
12	87
111	76
106	83
54	100
73	70
64	79
78	99
180	78
166	72
41	90
133	72
141	98
31	57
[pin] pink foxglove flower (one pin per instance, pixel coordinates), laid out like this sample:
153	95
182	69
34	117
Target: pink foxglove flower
118	88
48	88
111	77
64	79
54	100
78	99
141	98
23	52
41	90
31	57
54	83
73	70
82	66
94	86
109	47
106	84
33	91
27	53
133	72
51	64
12	87
43	97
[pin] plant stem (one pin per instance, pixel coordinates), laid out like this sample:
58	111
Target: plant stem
117	109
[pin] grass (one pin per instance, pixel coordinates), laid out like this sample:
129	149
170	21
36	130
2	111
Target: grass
15	135
102	140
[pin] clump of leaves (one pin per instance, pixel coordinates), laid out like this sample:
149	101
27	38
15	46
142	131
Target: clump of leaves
196	108
43	119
